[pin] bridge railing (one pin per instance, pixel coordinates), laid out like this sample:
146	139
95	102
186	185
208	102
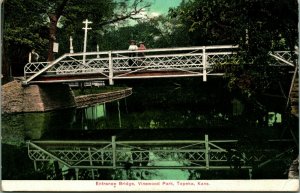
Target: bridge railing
283	58
71	63
194	60
122	64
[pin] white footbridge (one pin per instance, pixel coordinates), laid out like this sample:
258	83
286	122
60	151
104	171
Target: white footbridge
202	61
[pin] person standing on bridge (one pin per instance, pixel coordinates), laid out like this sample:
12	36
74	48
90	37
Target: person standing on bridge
142	47
132	47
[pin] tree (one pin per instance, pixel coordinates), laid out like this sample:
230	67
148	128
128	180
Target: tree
149	31
20	34
35	23
156	32
101	12
257	26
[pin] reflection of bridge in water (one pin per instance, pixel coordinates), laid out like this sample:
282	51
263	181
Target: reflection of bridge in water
156	63
188	154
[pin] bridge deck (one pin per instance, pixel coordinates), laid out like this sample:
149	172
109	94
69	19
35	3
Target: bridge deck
129	74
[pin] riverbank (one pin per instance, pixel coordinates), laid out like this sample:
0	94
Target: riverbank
35	98
48	97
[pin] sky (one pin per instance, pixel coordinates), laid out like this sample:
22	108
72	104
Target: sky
158	7
162	6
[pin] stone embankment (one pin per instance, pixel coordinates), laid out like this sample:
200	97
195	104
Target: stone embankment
91	99
16	98
41	98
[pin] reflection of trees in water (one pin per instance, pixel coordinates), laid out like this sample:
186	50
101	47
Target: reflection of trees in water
16	165
153	119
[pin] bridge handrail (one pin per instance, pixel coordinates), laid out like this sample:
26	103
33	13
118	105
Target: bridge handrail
110	60
109	53
178	49
280	56
46	68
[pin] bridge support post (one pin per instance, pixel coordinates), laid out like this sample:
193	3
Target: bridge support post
204	65
91	162
35	166
120	121
113	144
206	152
250	174
110	67
77	173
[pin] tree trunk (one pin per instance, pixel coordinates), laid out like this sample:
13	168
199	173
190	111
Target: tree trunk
5	76
52	35
54	17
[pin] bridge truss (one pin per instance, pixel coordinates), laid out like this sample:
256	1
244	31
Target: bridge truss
151	63
188	154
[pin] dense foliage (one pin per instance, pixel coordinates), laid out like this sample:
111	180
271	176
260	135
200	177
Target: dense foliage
253	24
257	26
37	24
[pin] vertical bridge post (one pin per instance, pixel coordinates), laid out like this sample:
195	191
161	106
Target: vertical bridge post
77	173
35	166
113	144
206	152
204	64
91	162
110	68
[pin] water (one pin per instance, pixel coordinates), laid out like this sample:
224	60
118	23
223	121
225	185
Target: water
177	109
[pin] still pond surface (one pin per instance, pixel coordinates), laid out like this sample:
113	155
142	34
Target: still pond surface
176	109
